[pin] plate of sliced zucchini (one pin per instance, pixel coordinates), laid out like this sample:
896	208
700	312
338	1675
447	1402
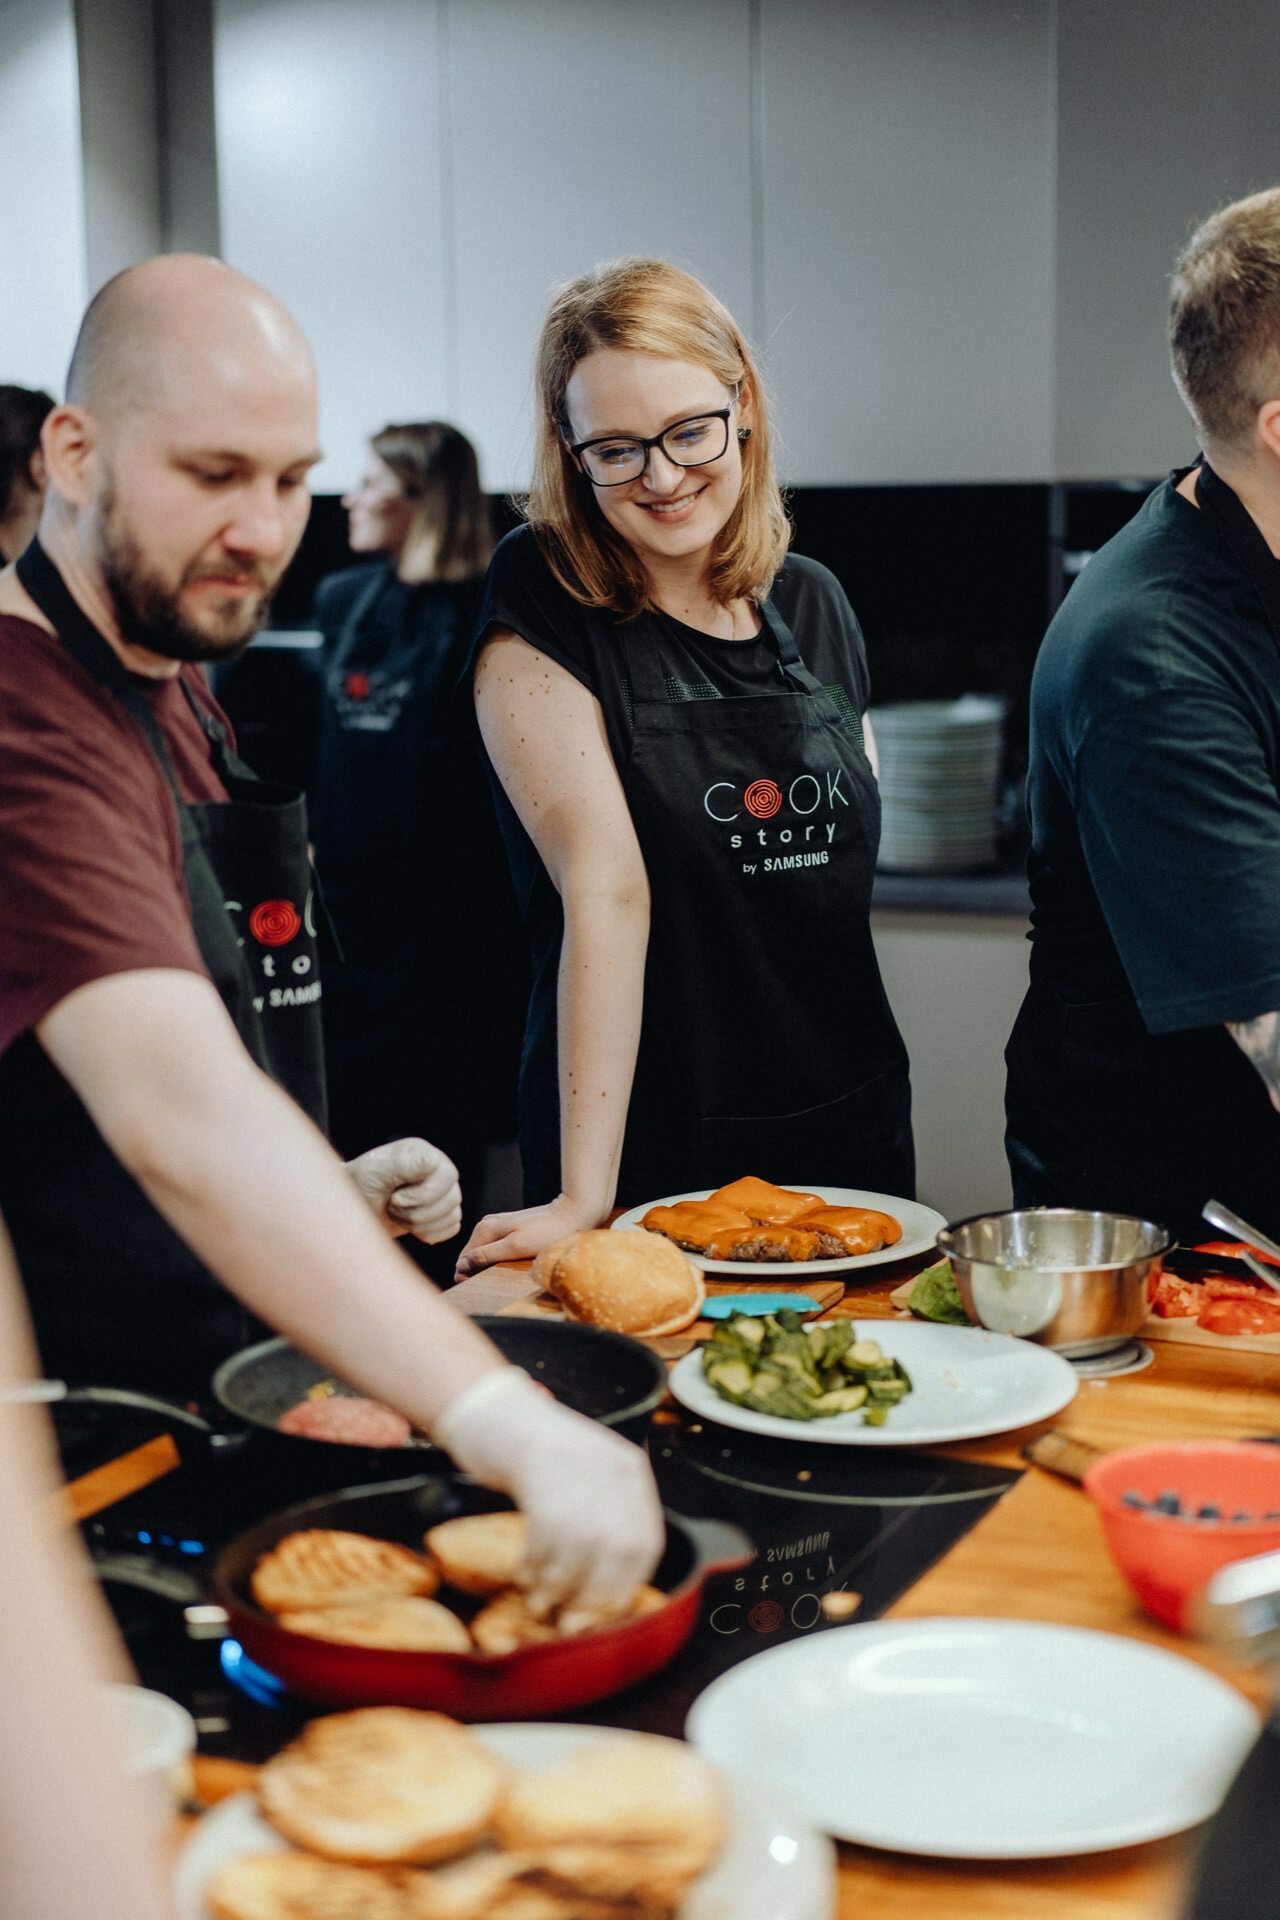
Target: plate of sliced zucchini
886	1384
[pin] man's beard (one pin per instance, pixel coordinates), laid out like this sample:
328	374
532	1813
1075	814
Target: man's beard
149	612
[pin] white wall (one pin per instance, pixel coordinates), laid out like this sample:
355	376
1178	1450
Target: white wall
330	161
955	983
579	132
41	219
908	237
1166	110
949	222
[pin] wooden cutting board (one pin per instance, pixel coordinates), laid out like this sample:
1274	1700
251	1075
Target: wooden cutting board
823	1293
1184	1332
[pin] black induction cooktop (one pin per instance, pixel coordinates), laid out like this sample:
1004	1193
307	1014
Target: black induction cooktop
860	1523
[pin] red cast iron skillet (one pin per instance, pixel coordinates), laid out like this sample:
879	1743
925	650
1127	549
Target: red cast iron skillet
606	1376
527	1684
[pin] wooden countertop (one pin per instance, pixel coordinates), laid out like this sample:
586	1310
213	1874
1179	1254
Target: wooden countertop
1038	1554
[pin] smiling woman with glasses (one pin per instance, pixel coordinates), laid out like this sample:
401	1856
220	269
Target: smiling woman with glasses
673	708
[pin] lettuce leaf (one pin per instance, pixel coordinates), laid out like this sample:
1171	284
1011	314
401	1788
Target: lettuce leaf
935	1296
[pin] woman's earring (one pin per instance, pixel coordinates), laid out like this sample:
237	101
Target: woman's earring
744	434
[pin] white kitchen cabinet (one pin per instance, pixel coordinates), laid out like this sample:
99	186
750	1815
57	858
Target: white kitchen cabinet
955	982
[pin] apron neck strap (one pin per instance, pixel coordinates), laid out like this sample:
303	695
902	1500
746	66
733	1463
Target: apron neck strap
647	669
82	640
1236	525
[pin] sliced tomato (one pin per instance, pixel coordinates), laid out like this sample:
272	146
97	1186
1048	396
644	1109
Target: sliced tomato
1175	1299
1233	1249
1218	1287
1240	1316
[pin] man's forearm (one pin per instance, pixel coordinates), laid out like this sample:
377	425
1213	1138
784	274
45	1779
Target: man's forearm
601	998
253	1188
1259	1041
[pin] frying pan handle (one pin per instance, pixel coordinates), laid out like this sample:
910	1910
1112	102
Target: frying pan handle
1059	1453
719	1545
177	1584
203	1619
125	1398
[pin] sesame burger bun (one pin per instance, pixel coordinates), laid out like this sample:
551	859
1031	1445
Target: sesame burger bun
633	1283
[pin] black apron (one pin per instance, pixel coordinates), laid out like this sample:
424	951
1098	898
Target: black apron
1102	1113
767	1044
114	1293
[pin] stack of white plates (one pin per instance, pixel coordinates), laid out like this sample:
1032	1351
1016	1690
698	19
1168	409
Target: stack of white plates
939	766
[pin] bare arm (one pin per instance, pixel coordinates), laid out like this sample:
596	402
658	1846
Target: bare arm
869	742
253	1188
74	1841
546	737
1259	1041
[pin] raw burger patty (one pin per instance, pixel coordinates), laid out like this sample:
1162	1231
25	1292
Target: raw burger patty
354	1422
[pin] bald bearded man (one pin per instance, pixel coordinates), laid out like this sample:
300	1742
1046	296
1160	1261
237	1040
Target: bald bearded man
158	976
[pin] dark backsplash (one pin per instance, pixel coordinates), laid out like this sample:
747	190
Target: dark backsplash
953	585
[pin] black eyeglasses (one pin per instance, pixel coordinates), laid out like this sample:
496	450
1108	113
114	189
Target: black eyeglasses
694	442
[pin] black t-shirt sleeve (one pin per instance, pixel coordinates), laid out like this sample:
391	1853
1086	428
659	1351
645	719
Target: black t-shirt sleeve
1180	825
522	594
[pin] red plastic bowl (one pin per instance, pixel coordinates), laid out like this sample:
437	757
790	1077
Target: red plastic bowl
1167	1558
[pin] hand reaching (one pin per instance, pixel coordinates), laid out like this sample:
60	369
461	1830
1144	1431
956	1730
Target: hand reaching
519	1235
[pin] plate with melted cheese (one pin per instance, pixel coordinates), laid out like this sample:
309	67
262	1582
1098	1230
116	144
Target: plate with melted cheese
755	1230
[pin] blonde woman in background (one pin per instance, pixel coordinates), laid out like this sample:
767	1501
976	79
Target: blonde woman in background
673	707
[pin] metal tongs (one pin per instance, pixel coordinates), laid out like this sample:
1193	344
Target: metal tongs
1219	1216
1239	1610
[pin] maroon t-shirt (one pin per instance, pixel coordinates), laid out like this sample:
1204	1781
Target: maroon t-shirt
90	857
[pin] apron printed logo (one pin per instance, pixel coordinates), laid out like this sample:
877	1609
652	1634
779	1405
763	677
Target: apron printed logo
762	799
807	843
275	923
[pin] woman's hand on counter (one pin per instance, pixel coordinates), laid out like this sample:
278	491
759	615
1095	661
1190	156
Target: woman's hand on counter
412	1187
520	1235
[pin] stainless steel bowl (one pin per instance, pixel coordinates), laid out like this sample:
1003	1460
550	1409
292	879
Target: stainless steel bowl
1072	1280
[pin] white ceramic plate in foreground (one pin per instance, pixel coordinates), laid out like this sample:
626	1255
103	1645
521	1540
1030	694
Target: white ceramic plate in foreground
774	1866
919	1230
965	1383
980	1739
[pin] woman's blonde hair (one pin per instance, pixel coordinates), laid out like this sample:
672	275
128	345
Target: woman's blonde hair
451	534
646	306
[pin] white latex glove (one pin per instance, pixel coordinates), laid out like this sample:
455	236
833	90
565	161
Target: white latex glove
595	1522
412	1187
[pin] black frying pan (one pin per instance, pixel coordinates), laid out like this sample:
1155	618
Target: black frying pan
605	1376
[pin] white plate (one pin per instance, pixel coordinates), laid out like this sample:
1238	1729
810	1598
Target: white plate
774	1865
965	1383
981	1739
919	1230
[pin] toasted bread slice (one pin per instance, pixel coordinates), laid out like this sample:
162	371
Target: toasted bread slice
407	1622
761	1201
479	1552
641	1792
644	1877
383	1786
507	1623
324	1567
297	1886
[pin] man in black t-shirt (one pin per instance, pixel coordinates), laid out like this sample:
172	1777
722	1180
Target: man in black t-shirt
1154	795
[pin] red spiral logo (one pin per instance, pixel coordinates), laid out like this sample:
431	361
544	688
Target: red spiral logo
766	1616
274	923
763	798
